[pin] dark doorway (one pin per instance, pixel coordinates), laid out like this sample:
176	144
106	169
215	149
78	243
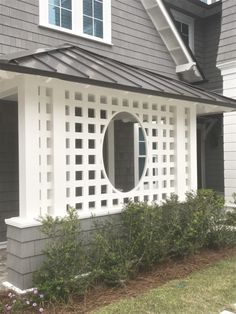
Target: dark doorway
9	173
210	152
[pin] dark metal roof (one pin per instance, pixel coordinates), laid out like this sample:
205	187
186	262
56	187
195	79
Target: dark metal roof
75	64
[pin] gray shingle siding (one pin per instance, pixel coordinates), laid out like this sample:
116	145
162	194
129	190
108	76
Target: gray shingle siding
210	28
227	45
135	40
9	187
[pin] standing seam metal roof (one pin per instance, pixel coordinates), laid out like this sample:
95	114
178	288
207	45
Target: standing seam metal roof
75	64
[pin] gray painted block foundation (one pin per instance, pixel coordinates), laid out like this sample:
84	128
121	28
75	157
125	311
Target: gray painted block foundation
25	250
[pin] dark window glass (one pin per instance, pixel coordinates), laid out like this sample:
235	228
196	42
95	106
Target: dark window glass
184	31
141	135
54	2
98	28
54	15
66	19
88	7
60	13
93	18
66	4
98	14
141	164
88	25
142	149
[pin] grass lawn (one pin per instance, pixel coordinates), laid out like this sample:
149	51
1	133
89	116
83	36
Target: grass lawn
208	291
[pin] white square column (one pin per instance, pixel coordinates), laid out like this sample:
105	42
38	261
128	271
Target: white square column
28	149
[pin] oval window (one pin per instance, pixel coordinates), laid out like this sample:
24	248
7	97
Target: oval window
124	151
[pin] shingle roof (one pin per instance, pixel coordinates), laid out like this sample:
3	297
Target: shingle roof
75	64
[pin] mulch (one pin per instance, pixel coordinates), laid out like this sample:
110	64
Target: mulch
101	296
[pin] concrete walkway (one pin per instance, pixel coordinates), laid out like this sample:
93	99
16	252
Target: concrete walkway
232	311
3	268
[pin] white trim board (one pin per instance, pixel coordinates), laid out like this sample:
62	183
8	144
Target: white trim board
164	24
3	245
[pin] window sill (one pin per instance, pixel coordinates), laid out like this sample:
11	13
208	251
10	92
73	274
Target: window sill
72	33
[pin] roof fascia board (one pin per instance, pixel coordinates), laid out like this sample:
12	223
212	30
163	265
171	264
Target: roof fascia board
165	26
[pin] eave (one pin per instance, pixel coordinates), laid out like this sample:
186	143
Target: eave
72	63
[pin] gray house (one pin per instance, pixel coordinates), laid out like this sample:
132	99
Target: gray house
103	101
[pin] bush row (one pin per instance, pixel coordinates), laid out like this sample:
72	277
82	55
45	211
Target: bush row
145	236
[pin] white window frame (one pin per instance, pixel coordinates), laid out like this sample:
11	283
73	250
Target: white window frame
210	1
182	18
77	20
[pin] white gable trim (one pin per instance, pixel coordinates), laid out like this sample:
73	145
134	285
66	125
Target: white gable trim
172	39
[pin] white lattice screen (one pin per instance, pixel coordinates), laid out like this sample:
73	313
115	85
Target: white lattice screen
45	149
87	113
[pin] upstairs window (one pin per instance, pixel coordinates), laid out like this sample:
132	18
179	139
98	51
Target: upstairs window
86	18
185	27
93	17
184	31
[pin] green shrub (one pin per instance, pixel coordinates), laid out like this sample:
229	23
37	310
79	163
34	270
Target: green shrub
66	260
144	236
111	260
142	226
231	217
204	212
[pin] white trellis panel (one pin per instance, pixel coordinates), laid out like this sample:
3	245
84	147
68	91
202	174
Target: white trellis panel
72	121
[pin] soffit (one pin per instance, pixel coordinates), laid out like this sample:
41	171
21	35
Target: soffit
195	8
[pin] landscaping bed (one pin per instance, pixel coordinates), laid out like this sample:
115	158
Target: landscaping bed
148	246
101	296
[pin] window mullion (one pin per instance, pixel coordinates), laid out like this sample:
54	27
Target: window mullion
77	16
93	17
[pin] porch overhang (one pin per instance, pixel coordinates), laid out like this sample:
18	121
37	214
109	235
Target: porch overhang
72	63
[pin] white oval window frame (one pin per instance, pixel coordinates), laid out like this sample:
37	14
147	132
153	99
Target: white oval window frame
136	187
